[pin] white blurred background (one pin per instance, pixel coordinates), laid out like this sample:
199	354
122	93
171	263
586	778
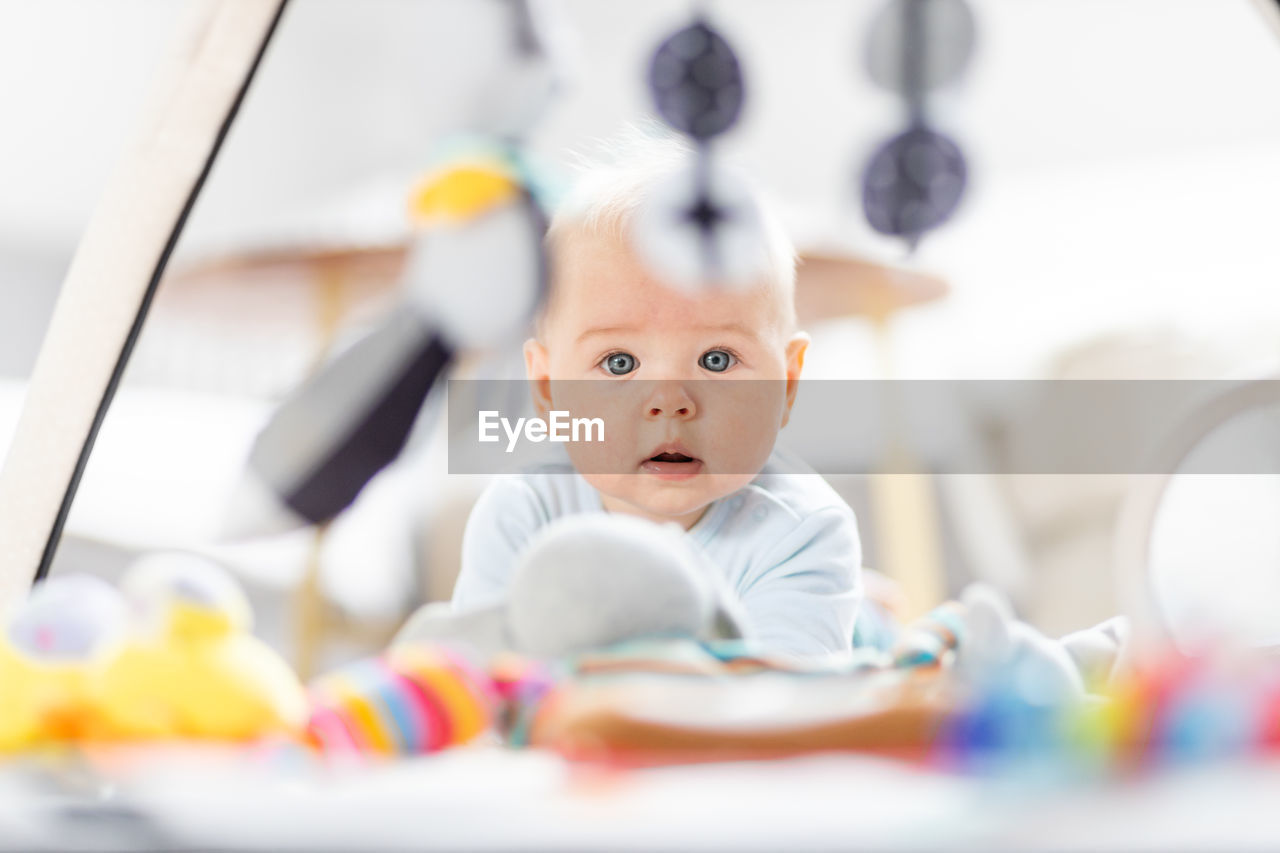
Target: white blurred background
1123	151
1125	163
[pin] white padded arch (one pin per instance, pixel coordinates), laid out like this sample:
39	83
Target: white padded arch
114	273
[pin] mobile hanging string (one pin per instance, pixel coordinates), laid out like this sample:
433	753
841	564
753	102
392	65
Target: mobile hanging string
696	84
704	227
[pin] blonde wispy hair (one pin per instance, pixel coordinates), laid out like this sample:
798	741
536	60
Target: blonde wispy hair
614	178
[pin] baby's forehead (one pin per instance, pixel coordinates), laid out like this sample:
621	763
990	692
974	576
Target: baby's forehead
597	277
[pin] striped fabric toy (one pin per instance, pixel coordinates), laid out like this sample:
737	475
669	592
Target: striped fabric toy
928	639
413	699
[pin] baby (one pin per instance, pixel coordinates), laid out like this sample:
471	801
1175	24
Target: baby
686	442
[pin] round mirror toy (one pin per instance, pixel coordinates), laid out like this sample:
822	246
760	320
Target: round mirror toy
1199	542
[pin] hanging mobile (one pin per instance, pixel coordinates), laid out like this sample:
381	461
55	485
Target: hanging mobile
704	227
914	182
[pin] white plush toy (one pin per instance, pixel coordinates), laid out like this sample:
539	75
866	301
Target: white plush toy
998	649
1101	652
590	581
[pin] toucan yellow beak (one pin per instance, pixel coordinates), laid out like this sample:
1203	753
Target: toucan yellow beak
461	193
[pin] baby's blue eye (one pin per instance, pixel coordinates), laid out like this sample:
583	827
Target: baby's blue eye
620	363
716	360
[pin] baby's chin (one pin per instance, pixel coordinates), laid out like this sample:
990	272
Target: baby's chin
663	500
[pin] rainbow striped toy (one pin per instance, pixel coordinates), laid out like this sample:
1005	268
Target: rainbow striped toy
413	699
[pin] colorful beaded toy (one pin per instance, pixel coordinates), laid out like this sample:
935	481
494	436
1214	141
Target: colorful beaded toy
411	700
1174	709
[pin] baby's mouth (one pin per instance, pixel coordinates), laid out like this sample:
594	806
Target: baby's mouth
671	463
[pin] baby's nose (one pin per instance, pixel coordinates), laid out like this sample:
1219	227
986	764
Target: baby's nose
681	411
670	399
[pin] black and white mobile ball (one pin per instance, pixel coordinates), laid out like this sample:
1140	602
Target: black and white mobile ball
696	82
913	183
703	227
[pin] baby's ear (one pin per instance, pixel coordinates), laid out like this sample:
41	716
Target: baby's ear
537	367
796	348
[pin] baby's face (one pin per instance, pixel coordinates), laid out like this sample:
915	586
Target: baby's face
678	433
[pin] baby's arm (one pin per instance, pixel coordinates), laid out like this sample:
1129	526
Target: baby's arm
805	599
502	522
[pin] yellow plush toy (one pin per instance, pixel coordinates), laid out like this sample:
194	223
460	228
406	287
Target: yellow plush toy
193	669
53	656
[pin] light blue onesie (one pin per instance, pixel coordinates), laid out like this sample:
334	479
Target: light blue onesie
786	542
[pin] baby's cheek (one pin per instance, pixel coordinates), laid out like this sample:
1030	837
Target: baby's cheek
600	457
610	443
740	439
745	453
616	453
